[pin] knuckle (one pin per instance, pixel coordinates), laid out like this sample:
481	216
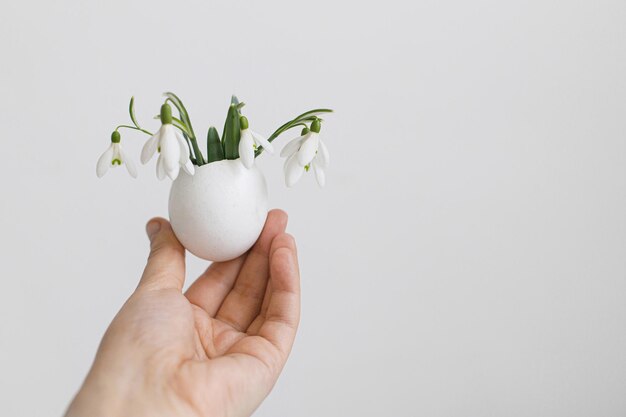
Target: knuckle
164	249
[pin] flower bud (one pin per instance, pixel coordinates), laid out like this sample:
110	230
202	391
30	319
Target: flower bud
166	114
316	126
243	123
116	137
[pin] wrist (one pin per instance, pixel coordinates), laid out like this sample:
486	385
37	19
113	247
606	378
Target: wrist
101	398
106	394
122	392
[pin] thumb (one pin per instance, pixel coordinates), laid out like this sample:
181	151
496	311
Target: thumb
166	263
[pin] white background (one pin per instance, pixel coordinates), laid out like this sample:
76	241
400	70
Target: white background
468	256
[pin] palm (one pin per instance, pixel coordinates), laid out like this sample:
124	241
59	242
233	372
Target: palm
228	337
241	337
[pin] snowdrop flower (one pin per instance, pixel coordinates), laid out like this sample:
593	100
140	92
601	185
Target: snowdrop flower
305	152
113	156
249	142
172	148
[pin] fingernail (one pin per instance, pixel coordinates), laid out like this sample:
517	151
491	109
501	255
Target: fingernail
152	228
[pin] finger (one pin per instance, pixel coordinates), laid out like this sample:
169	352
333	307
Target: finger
283	309
253	329
166	263
244	302
210	289
268	291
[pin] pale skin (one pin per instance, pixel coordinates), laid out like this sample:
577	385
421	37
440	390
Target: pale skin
215	350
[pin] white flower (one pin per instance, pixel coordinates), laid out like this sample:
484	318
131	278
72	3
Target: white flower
307	151
113	156
173	152
248	143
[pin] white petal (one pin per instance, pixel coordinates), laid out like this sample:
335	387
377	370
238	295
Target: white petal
104	162
170	150
150	147
184	160
286	165
292	147
130	165
320	175
173	173
188	167
293	170
160	168
116	151
260	140
184	149
323	157
246	148
308	149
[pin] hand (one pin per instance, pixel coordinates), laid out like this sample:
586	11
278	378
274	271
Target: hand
216	350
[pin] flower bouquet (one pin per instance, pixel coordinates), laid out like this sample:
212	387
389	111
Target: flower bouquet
218	201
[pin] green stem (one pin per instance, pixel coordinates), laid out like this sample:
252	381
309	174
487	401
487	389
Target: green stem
199	159
300	120
134	128
196	150
279	132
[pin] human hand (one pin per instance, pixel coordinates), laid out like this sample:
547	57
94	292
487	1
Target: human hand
216	350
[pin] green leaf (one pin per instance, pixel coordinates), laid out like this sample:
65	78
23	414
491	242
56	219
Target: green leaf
184	116
313	113
190	146
226	130
186	121
300	120
308	116
239	104
179	124
214	146
176	102
231	133
131	110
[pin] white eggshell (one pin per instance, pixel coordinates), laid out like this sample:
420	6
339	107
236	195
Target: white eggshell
219	212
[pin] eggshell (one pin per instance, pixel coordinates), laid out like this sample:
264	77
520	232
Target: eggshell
219	212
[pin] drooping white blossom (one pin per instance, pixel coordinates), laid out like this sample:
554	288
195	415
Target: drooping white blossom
115	156
305	152
172	148
249	142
